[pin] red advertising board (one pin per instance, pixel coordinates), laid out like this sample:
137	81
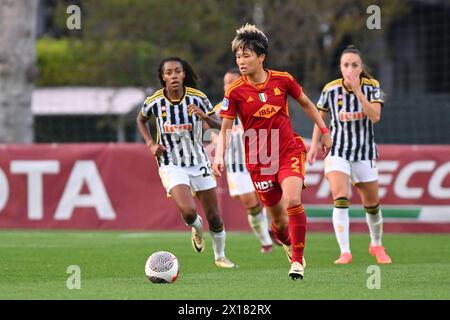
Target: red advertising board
117	186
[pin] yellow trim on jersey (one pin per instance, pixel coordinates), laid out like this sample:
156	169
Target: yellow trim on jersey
332	83
195	92
282	74
322	109
379	101
372	82
227	116
175	101
142	114
154	96
235	84
217	107
158	135
339	81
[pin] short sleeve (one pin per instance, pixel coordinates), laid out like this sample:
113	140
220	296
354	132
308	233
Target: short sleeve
294	89
229	107
322	103
206	106
147	109
377	95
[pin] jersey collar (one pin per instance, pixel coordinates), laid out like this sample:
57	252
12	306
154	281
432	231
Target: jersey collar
259	86
172	102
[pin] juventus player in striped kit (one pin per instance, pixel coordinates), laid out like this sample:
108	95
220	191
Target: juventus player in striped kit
259	98
240	185
184	167
354	102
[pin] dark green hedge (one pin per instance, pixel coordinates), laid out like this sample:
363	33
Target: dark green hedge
89	62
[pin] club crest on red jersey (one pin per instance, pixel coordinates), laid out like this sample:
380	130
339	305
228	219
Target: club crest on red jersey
263	97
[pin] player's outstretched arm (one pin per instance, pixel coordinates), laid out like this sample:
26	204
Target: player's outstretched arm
222	142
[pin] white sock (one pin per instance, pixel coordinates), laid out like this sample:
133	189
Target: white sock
375	223
218	241
260	227
341	224
197	224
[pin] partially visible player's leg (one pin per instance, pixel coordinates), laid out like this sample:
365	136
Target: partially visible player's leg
182	196
241	187
257	219
279	225
292	187
208	200
339	184
369	195
338	171
177	183
291	176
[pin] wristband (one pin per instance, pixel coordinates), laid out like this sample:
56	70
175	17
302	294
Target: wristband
325	130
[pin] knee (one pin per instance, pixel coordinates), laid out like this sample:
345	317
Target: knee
189	213
292	201
215	221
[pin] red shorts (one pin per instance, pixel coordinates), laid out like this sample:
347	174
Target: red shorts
268	187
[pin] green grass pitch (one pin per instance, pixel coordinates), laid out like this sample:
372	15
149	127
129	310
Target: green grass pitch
33	265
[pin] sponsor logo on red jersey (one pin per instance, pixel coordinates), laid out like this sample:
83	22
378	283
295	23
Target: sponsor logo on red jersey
266	111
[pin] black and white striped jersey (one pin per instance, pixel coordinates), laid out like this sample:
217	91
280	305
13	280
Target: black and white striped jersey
235	153
177	130
351	130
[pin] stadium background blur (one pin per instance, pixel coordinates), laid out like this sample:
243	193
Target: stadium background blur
121	42
83	69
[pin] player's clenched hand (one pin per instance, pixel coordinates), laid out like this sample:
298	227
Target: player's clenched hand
194	109
326	145
311	155
157	149
217	167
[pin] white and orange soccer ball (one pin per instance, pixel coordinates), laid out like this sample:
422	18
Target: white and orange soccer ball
162	267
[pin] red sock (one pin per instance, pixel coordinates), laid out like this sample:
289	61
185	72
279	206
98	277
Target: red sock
283	236
297	230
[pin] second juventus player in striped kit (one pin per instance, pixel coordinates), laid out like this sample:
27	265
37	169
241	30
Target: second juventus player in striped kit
184	167
354	103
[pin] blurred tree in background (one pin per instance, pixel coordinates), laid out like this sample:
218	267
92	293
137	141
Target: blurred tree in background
122	41
17	69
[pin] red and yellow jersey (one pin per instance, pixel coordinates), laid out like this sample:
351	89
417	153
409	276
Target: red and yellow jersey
263	111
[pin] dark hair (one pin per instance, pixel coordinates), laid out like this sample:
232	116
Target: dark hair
250	37
234	71
191	76
352	49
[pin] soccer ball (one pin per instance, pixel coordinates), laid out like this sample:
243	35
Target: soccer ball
162	267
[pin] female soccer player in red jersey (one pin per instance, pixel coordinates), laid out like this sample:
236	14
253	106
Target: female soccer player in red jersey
354	102
274	157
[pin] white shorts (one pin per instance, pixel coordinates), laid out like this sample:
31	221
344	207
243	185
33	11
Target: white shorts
359	171
239	183
198	178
